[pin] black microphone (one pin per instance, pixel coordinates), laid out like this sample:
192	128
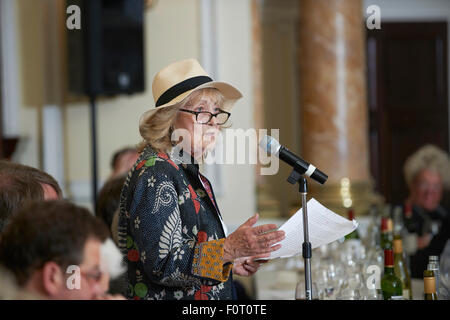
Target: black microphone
272	146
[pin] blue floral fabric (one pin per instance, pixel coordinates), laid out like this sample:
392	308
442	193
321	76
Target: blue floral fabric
170	233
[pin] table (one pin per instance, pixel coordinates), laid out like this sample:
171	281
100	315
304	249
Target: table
281	284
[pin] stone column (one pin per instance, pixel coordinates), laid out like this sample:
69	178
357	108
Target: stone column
333	102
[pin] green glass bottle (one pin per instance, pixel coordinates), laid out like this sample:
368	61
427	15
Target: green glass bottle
429	285
433	264
391	285
400	268
354	234
386	234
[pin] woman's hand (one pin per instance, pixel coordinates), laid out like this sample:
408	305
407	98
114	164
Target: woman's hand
249	241
248	266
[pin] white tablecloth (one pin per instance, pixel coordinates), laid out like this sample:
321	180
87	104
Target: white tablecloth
280	285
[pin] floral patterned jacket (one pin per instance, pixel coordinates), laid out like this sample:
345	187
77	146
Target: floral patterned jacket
170	232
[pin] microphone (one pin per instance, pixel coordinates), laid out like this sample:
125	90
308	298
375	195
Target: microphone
272	146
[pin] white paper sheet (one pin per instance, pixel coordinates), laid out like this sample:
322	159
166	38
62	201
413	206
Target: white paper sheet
324	227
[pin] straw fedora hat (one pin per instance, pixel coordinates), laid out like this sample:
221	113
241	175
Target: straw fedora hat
178	80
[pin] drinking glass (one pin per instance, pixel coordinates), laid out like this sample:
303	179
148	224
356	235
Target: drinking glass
300	291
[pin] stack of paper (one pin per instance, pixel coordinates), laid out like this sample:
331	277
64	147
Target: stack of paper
324	227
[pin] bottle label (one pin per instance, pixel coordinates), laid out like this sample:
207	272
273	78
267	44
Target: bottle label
429	284
406	294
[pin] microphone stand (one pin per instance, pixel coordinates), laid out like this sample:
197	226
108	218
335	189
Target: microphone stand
306	246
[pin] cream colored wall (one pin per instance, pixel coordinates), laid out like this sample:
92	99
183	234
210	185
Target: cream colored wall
234	65
28	69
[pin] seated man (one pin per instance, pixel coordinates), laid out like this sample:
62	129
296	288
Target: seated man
19	184
54	249
15	190
50	186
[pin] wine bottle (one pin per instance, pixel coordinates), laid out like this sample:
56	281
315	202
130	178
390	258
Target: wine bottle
390	230
391	285
386	230
433	264
429	285
400	268
354	234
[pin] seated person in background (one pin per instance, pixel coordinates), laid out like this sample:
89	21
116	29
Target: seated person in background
122	161
108	211
109	199
16	190
50	186
52	190
54	249
427	173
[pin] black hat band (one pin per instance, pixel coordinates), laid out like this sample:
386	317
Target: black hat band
181	88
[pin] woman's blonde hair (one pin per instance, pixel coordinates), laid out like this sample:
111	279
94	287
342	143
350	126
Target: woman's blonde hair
157	129
428	157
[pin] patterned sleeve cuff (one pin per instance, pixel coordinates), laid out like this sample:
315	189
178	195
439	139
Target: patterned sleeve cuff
208	261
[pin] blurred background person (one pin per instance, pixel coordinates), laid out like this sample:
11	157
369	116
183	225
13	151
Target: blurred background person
20	184
51	188
109	199
45	240
122	161
427	173
108	212
16	189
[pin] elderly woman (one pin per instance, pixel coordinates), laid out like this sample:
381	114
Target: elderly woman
170	226
427	173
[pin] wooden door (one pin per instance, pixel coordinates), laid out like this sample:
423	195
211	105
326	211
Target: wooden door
408	98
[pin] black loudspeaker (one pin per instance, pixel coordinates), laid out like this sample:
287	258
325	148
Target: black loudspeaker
106	55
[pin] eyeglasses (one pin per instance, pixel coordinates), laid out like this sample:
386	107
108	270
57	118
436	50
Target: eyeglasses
95	276
203	117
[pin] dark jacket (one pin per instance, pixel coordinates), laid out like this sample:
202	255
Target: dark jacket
170	232
419	260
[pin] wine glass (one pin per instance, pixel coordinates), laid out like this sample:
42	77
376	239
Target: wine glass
349	294
371	294
300	291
